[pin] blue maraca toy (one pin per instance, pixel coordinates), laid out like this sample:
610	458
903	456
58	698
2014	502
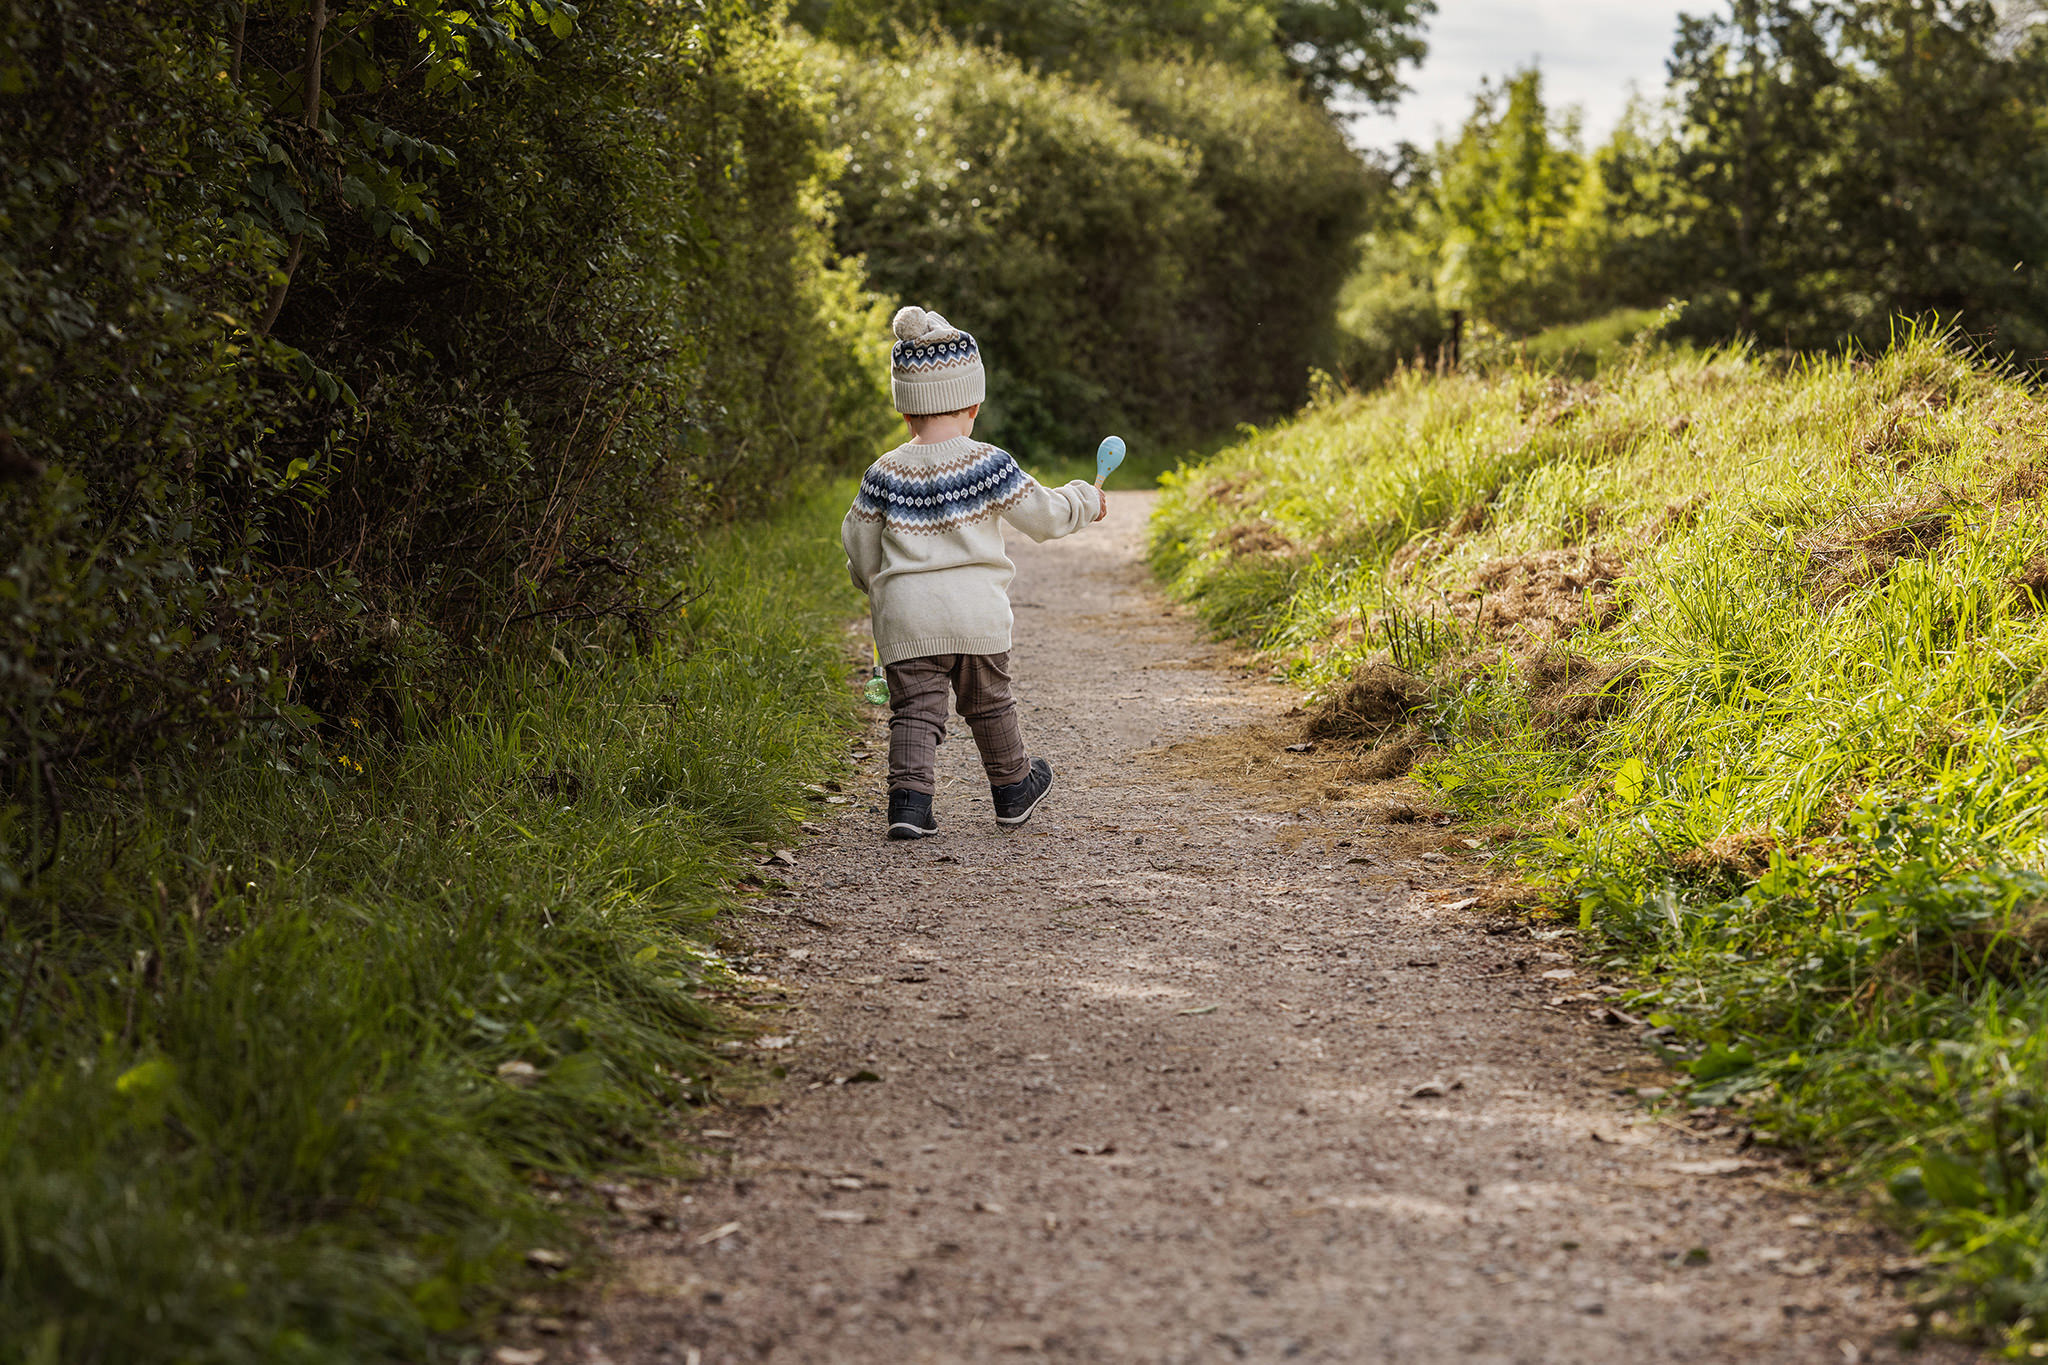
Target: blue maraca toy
1108	456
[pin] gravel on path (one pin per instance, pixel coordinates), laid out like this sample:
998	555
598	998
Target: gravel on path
1185	1070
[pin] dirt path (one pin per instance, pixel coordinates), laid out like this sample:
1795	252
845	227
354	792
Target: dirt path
1154	1074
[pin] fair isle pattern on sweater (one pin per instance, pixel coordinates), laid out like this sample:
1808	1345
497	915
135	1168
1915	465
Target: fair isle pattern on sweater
945	497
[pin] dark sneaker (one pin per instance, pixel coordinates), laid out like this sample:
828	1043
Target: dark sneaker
1015	802
910	816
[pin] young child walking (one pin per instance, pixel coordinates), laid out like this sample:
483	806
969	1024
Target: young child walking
924	541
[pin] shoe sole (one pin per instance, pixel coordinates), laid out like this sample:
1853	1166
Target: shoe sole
906	831
1009	820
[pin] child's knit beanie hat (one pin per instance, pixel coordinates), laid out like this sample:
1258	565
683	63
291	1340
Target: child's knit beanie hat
935	367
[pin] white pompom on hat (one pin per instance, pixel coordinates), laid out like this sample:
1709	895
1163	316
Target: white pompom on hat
934	366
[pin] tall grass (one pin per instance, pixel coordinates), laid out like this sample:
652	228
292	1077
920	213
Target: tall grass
298	1057
1759	690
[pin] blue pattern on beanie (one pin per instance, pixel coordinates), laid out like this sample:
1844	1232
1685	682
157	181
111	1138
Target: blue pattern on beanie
916	357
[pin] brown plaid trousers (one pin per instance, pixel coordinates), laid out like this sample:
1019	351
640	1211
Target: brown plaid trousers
917	719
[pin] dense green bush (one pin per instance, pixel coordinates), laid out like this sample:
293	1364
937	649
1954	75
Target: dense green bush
1158	252
315	388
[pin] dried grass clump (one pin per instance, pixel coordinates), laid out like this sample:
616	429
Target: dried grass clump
1389	759
1516	898
1472	519
1862	547
1569	693
1546	595
1253	538
1377	699
1899	438
1684	513
1558	401
1740	856
2023	483
1235	490
2031	586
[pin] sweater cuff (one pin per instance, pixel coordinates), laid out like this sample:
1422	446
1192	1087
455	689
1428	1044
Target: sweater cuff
1091	499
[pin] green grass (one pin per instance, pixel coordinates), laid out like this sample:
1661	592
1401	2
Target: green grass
1788	768
1582	349
265	1035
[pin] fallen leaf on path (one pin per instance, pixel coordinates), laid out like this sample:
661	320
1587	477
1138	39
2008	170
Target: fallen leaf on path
717	1234
517	1355
775	1042
1093	1149
1301	748
1466	904
1199	1009
1434	1090
546	1259
848	1182
841	1216
1556	974
1725	1165
516	1073
781	857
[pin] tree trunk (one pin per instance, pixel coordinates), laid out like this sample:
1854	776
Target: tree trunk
318	27
235	49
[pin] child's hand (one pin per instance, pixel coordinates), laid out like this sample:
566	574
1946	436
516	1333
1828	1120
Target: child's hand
1102	499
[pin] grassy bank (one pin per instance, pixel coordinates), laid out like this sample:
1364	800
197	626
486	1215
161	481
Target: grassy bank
1744	664
299	1062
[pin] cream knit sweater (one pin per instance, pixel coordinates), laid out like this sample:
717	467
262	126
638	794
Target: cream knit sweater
924	541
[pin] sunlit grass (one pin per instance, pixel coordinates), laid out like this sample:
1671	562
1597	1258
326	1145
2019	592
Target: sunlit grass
299	1061
1814	811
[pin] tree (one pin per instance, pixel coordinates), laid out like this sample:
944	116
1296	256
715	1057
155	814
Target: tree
1331	46
1939	180
1841	165
1352	46
1501	196
1754	88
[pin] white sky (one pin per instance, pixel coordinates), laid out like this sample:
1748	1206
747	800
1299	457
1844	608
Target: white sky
1591	52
